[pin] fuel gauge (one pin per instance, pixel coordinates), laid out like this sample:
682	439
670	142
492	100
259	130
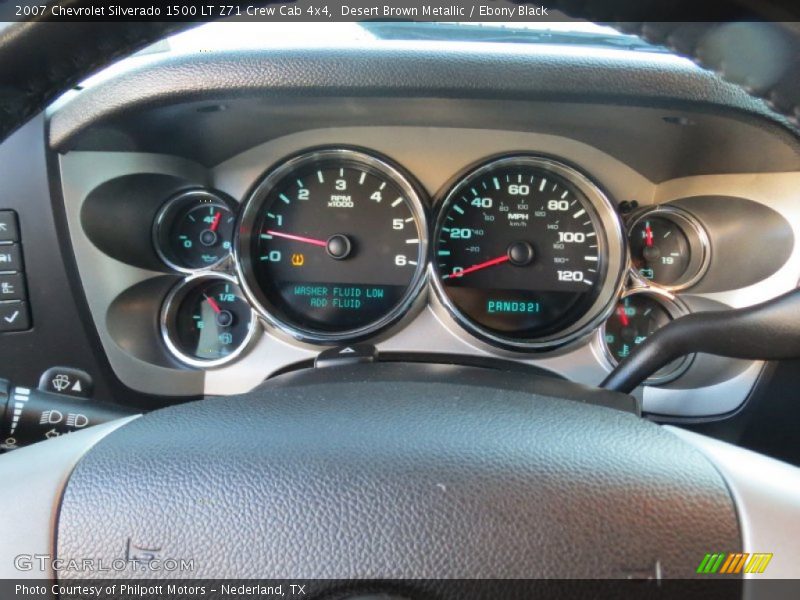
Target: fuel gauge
637	316
206	321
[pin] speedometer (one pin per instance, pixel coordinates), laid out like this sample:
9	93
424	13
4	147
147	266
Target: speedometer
527	253
332	245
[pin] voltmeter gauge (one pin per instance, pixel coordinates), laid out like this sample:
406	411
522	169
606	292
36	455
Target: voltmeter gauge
669	247
206	321
637	316
194	230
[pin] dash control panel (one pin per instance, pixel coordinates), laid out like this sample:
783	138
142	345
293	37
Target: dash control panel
59	406
14	309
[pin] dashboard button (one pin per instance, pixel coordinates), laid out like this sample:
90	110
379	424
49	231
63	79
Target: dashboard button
67	381
347	355
10	259
14	316
12	287
9	232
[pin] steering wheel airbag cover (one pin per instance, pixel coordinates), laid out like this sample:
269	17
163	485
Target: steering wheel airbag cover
397	477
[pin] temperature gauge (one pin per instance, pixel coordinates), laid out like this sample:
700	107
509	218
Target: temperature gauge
194	230
669	247
637	316
206	321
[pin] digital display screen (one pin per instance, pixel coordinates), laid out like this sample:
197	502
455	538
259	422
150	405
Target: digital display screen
331	307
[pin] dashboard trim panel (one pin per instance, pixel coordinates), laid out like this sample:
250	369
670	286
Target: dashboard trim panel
431	154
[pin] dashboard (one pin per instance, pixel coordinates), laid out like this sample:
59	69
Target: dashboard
215	222
259	262
523	247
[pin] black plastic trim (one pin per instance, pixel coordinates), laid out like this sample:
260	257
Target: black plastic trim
161	105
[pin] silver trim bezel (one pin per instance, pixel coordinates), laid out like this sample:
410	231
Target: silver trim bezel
249	214
167	212
699	245
676	309
170	307
614	246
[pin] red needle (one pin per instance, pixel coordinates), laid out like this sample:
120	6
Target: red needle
648	235
489	263
213	304
215	222
297	238
623	318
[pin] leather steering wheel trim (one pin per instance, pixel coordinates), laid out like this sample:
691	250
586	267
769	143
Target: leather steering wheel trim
400	471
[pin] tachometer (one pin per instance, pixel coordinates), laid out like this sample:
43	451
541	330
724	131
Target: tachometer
332	245
527	253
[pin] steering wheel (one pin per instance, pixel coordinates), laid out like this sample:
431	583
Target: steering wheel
384	472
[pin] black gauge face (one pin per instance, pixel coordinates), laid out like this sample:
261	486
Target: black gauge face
519	250
337	244
208	321
636	318
660	250
195	231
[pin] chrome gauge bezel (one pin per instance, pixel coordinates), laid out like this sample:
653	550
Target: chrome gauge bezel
248	217
169	210
169	310
614	247
676	309
699	245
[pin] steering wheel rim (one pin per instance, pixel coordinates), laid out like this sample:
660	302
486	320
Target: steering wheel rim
397	471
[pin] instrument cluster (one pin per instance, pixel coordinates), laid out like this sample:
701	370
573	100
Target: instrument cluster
336	245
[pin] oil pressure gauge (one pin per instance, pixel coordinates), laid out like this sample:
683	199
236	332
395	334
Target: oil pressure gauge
194	230
669	247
